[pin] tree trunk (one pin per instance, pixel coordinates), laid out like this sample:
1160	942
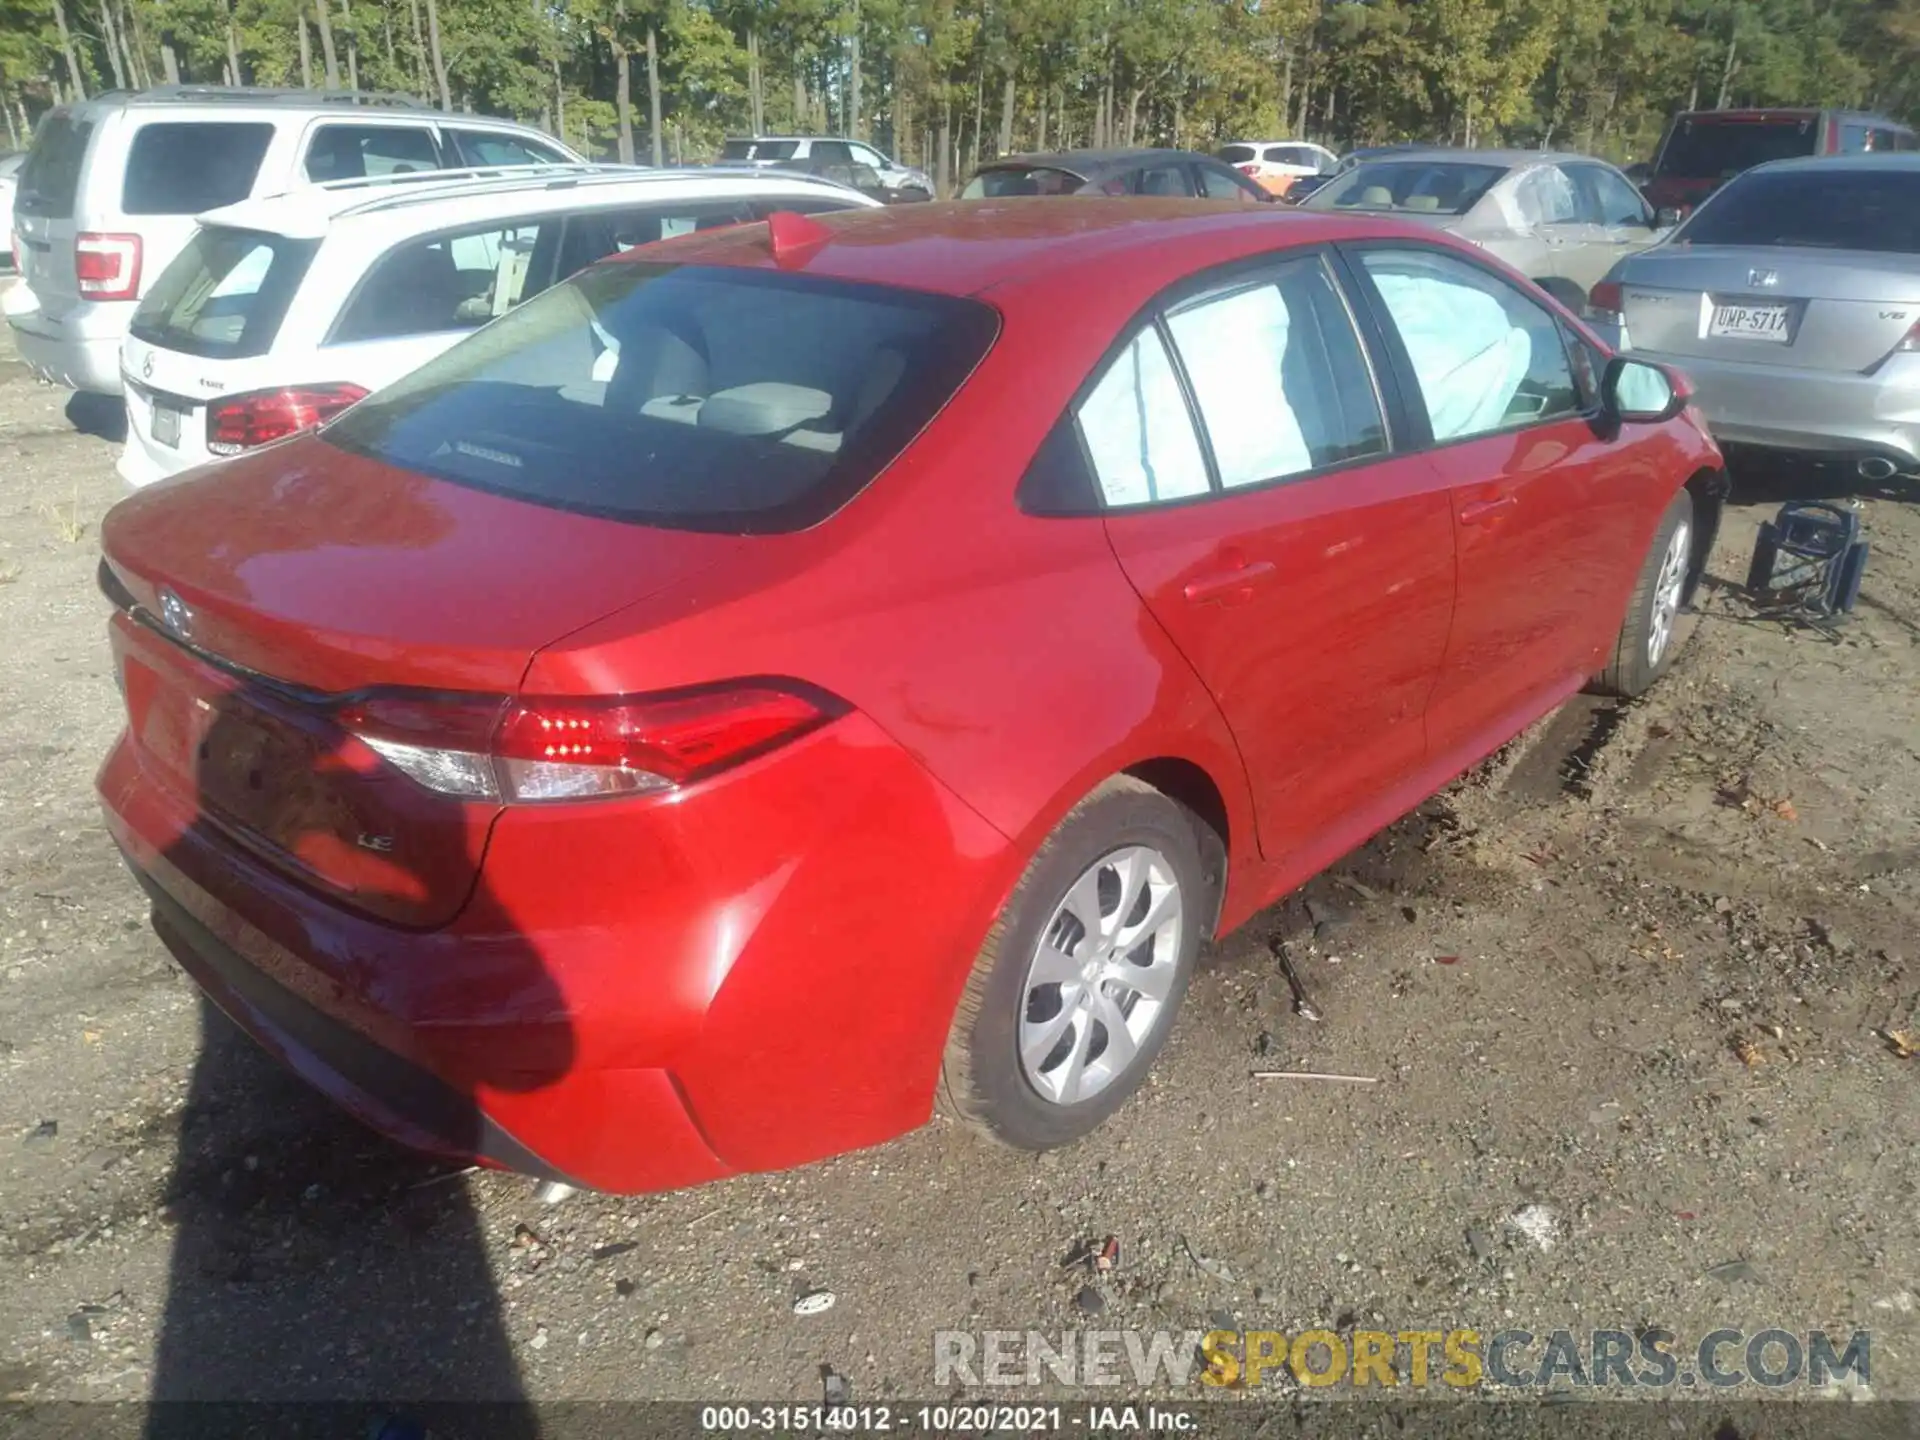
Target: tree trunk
943	162
1726	76
419	50
169	62
854	126
1133	115
1007	99
653	95
559	102
233	45
386	33
327	55
1286	86
74	78
133	46
306	56
1041	121
13	139
353	45
439	60
113	46
756	83
622	82
799	97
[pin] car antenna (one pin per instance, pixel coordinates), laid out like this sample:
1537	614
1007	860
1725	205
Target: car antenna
794	238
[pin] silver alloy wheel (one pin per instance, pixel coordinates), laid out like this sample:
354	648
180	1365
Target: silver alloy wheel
1101	973
1667	591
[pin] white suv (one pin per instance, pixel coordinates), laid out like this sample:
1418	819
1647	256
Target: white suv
109	191
771	150
281	312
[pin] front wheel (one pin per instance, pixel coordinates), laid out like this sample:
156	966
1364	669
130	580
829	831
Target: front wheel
1648	638
1074	992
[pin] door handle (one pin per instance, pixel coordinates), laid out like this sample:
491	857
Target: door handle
1478	510
1230	587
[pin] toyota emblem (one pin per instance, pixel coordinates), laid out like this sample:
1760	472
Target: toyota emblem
176	615
146	366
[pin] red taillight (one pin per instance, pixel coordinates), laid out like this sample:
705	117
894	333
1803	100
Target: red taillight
562	748
1912	340
107	267
1248	169
240	422
1606	299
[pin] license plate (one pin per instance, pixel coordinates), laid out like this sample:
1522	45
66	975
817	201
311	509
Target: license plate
166	426
1749	322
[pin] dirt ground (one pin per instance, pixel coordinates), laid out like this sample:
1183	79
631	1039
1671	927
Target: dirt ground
1553	971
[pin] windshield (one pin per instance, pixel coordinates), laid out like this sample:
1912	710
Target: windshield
1017	180
225	295
759	149
51	175
1837	209
1708	147
1429	187
738	401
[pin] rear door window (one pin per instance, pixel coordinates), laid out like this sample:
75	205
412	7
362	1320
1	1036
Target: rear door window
225	295
1004	181
1548	197
353	152
448	282
1279	376
1238	154
738	401
1220	184
487	147
1163	180
50	178
176	168
830	152
1613	201
1138	431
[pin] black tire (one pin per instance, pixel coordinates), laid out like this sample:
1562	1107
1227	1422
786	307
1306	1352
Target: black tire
983	1081
1565	291
1633	669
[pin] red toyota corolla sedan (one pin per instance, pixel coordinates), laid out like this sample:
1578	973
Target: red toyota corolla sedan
795	676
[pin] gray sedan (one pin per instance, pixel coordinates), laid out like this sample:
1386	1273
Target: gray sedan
1792	300
1561	220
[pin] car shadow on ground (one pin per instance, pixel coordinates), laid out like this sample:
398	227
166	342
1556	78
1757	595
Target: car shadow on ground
102	416
1762	479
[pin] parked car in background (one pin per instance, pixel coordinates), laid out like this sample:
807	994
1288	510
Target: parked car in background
789	150
1277	165
282	312
864	178
1792	299
1175	174
1703	149
109	191
550	760
1560	220
1308	184
10	164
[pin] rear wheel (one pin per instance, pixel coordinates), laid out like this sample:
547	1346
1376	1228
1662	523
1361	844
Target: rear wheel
1565	291
1074	992
1648	636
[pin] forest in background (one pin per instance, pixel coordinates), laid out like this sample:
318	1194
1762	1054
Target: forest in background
945	83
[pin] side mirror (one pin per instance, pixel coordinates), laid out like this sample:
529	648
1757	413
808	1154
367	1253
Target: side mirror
1666	217
1636	392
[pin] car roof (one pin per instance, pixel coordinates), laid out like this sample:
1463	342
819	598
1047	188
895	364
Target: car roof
967	247
1788	112
1901	162
244	97
1088	163
1510	159
430	199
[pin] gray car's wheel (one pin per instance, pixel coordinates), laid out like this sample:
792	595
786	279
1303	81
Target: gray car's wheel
1648	636
1073	993
1566	291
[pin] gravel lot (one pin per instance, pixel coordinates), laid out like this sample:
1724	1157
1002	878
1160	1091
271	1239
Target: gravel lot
1554	970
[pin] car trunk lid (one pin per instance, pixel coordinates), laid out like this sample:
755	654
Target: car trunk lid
1771	305
258	599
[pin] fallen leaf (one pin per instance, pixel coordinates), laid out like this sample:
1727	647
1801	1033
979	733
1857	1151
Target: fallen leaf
1902	1043
1784	809
1748	1052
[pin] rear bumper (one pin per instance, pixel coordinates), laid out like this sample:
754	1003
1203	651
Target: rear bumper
1838	414
638	996
80	349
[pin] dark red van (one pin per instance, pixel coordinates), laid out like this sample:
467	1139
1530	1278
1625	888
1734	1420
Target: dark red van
1703	149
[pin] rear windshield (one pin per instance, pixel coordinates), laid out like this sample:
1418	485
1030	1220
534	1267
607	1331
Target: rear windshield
178	168
759	149
738	401
225	295
1417	186
51	176
1236	154
1703	147
1015	180
1836	209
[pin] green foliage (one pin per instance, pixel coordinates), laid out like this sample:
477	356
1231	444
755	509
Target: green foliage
1602	75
